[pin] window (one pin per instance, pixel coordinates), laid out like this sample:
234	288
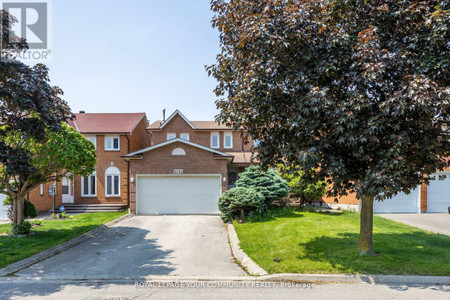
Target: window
112	175
112	143
89	186
171	136
93	139
228	140
232	177
442	177
178	151
215	137
184	136
41	189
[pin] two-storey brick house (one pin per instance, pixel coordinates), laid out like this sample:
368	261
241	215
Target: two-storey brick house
114	135
187	167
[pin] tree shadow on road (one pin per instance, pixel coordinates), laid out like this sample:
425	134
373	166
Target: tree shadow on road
120	253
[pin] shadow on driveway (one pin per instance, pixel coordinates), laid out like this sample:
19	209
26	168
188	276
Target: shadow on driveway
120	252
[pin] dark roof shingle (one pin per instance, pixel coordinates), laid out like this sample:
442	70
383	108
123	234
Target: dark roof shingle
106	122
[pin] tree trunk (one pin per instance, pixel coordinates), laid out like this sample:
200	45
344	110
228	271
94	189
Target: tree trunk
366	226
242	215
18	209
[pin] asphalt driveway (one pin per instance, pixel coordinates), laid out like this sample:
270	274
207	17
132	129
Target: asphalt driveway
146	245
439	223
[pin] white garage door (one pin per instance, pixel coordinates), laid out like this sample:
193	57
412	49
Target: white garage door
167	194
3	208
401	203
438	199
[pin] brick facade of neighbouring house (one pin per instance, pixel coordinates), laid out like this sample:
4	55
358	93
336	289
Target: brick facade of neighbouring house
44	201
136	138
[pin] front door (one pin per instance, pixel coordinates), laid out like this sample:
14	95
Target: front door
67	196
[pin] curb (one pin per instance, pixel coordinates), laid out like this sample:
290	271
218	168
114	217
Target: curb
24	263
251	267
295	278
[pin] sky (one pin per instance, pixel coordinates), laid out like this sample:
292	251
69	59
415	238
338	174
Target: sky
135	56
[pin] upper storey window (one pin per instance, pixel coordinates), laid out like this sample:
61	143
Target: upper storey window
171	136
184	136
215	140
112	143
93	139
228	140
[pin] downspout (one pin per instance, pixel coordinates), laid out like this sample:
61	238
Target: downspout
128	173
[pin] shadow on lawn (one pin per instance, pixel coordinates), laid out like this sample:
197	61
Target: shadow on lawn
415	253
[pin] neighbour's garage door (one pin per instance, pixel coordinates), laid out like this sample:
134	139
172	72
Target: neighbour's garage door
438	199
3	208
401	203
170	194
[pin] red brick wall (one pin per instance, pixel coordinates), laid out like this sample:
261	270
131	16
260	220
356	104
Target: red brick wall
105	159
349	199
178	125
44	202
139	139
161	161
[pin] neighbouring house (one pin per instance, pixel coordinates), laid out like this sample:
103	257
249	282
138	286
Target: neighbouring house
187	167
432	198
114	135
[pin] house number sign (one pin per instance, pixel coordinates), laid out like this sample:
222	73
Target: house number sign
177	171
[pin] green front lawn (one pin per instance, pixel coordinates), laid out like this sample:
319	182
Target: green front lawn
51	233
311	242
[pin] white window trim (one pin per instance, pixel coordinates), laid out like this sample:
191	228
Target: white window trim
181	134
112	187
95	140
230	134
89	186
112	137
218	140
41	187
171	134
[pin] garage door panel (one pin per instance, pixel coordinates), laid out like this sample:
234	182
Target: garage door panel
178	194
438	191
401	203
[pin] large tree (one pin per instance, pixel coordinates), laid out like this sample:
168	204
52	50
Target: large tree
64	152
358	90
30	108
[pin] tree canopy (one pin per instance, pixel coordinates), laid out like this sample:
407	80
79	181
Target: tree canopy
65	152
35	143
269	183
29	105
358	90
305	185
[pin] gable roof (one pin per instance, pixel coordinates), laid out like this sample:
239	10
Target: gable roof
124	123
177	112
198	125
139	152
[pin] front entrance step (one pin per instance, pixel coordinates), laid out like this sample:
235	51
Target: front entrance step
86	208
